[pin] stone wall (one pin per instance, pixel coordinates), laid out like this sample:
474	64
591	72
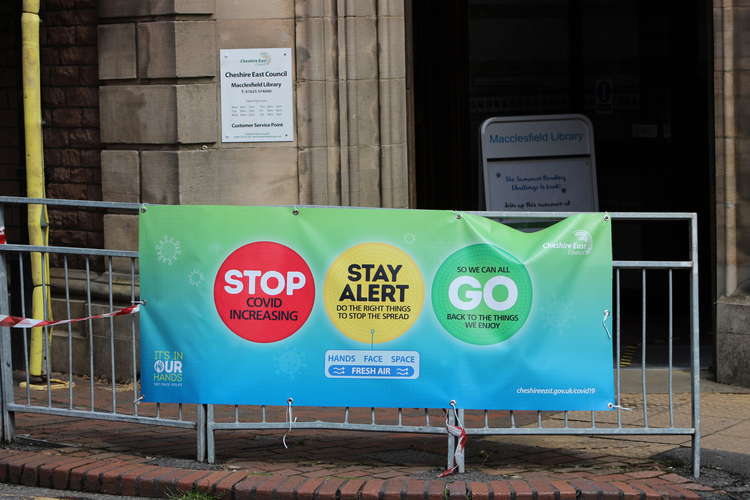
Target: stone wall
12	170
732	125
160	102
70	110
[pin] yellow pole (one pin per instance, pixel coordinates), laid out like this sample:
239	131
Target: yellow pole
37	214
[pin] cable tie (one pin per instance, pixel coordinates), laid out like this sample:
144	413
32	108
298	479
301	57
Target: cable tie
613	406
289	402
604	323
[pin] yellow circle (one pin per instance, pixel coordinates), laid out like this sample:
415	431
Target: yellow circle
373	292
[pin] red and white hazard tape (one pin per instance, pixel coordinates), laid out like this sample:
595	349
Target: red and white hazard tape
458	455
3	240
16	322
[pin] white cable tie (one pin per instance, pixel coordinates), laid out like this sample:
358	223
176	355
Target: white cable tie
455	412
604	323
289	419
611	405
138	399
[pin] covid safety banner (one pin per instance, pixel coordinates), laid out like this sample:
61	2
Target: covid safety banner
374	307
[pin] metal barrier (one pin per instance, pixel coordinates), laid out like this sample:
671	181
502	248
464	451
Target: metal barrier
484	422
83	398
207	419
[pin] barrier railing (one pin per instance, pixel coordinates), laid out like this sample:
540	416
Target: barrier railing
111	346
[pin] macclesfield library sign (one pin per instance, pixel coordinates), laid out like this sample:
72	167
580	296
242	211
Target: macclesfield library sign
539	163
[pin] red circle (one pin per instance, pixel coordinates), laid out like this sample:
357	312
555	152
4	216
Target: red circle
264	291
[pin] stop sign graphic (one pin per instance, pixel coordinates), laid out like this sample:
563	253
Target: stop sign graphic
264	291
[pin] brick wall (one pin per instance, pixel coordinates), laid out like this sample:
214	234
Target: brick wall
12	170
70	104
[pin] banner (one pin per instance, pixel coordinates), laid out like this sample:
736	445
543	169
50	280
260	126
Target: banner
374	307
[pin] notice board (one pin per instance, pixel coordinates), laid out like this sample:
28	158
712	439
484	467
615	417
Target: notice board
256	95
539	163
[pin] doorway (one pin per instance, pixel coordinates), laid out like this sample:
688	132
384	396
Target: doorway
640	70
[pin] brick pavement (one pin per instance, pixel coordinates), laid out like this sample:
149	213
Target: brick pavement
133	459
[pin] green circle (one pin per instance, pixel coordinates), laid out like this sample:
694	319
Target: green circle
478	309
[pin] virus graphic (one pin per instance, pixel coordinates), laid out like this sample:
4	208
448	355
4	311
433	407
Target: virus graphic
195	278
289	364
410	238
168	250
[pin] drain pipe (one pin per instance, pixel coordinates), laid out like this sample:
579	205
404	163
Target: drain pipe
37	214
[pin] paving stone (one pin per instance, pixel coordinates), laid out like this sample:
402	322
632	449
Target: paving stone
129	480
457	490
479	490
309	487
224	488
645	474
329	488
544	489
566	490
521	488
246	488
78	474
91	480
111	479
628	492
29	472
351	489
58	478
647	491
435	489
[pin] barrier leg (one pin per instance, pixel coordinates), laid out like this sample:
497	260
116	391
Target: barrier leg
695	368
6	372
200	432
451	441
462	467
210	442
696	455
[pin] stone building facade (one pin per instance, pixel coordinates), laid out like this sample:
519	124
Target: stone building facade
159	97
70	101
132	110
12	173
732	150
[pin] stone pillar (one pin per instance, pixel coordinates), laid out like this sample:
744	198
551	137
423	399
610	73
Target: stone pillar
732	125
352	102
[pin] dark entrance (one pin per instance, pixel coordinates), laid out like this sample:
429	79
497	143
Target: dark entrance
640	70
